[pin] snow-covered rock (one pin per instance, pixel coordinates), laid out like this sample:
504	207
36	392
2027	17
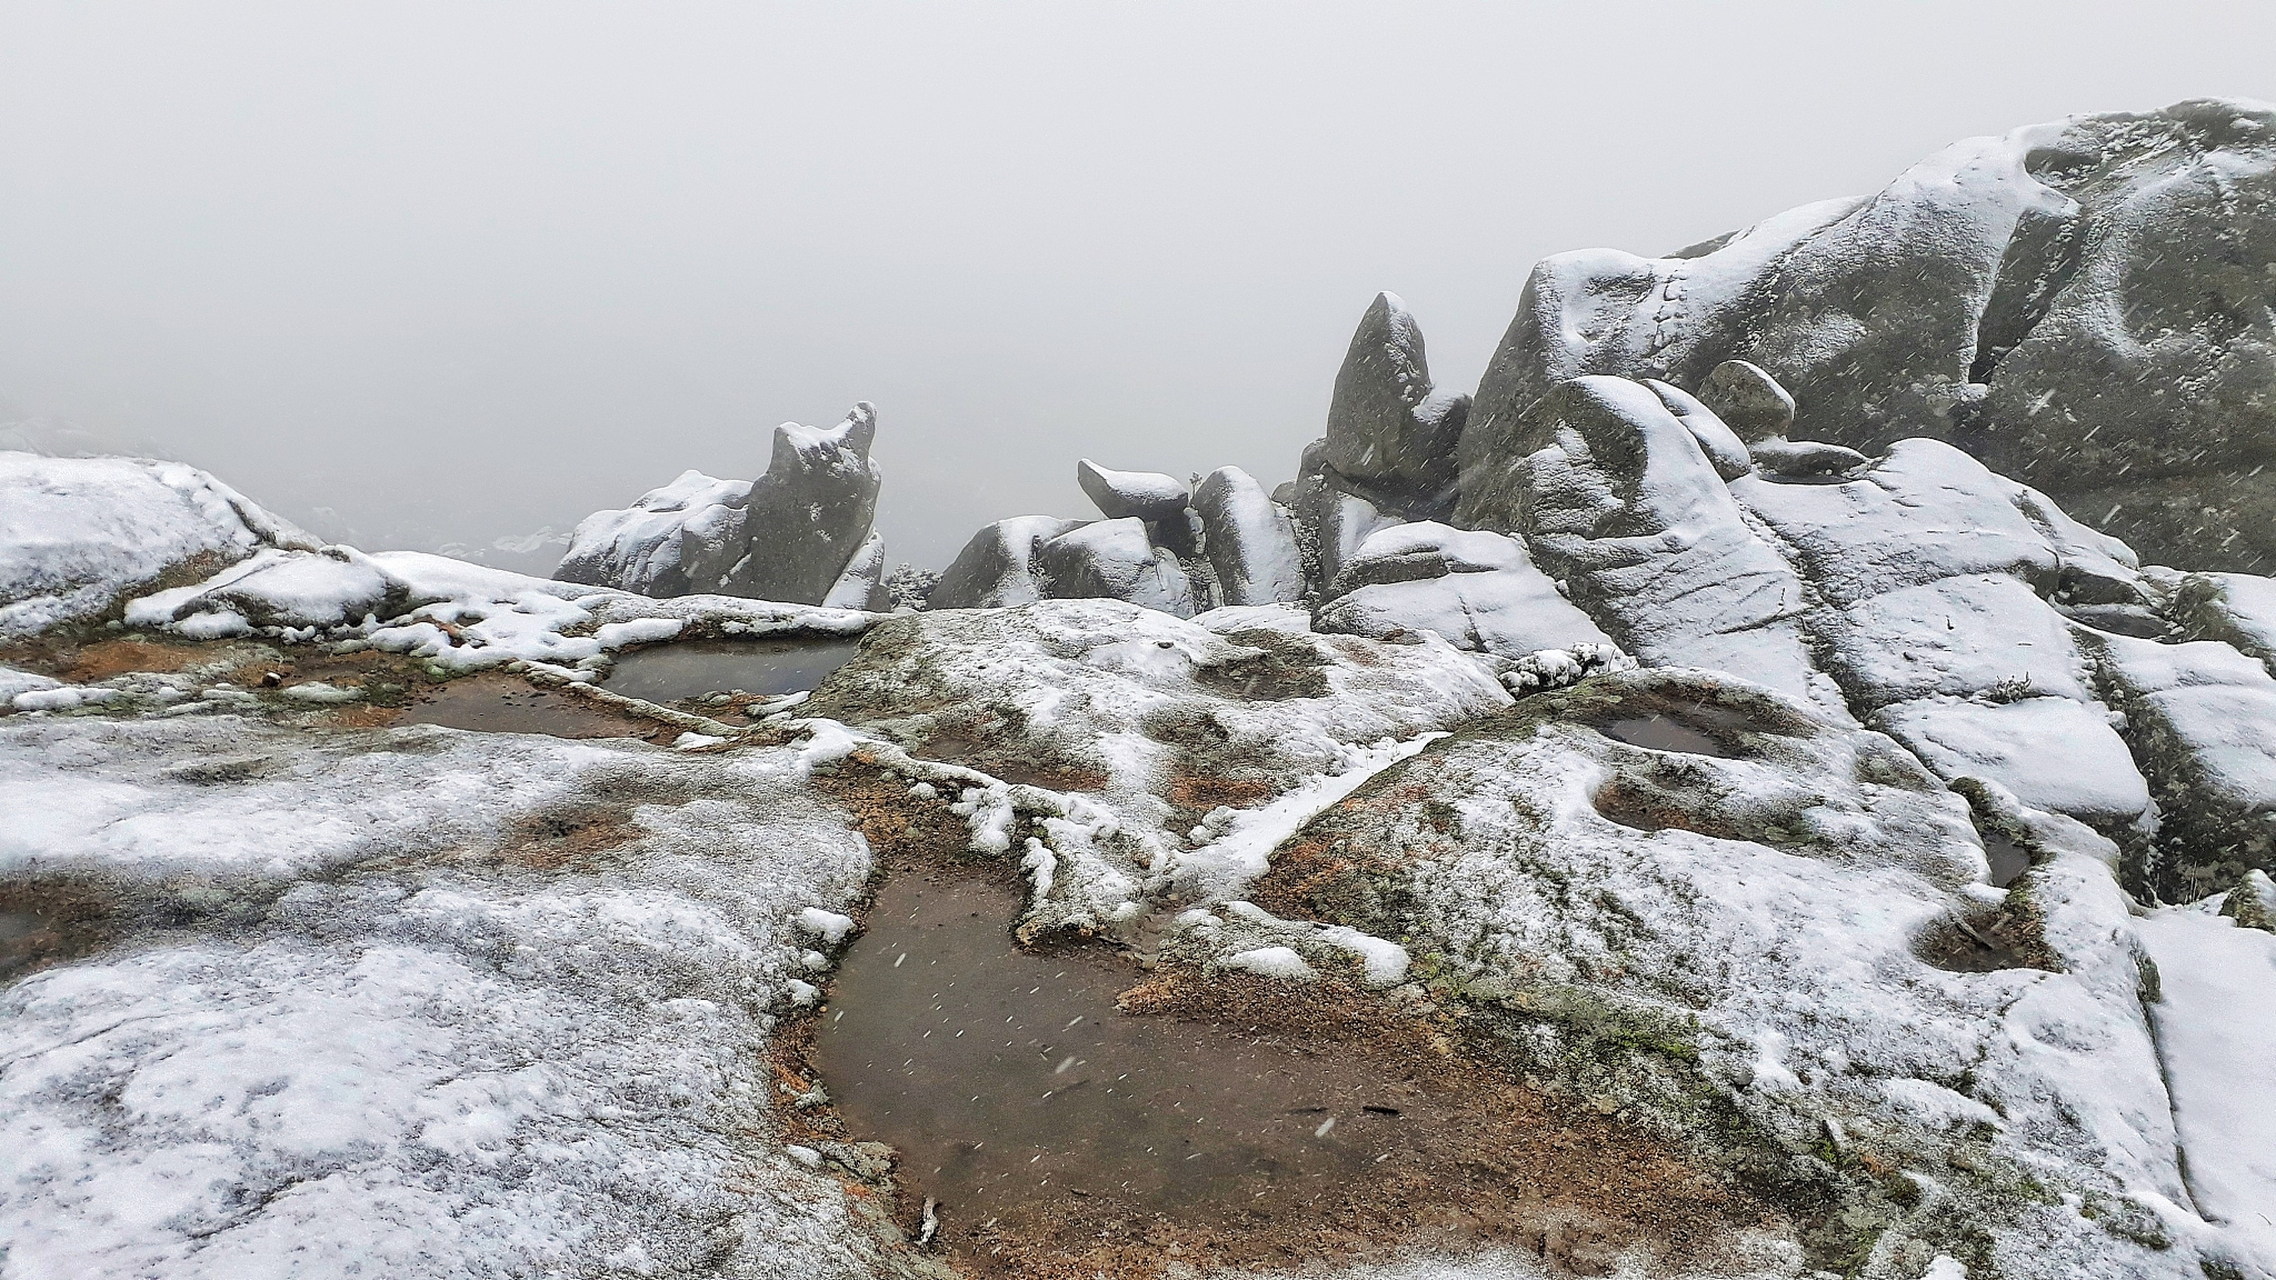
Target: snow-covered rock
1116	560
2081	303
2199	718
1477	590
1749	400
1617	499
1387	426
358	1011
790	535
1145	495
1248	539
1120	729
1738	949
77	534
997	567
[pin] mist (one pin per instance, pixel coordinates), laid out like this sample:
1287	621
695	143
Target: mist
420	274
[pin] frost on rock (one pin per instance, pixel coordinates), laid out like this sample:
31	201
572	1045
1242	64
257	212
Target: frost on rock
2216	1019
1114	731
1116	560
2198	719
1735	949
1249	540
790	535
2079	303
363	1007
997	567
76	534
1388	430
454	616
1144	495
1616	498
1477	590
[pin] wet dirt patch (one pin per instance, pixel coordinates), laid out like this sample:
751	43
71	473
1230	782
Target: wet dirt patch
571	836
1280	666
974	748
1434	1143
83	661
494	702
695	668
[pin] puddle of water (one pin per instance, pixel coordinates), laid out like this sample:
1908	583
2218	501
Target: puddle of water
1008	1080
2008	859
504	704
672	672
29	939
1663	733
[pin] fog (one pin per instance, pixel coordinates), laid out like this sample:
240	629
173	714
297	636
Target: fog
419	274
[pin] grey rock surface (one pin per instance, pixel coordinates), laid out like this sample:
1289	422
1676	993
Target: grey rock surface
1749	400
1115	560
1479	591
1248	539
997	567
1148	495
2083	304
1388	427
790	535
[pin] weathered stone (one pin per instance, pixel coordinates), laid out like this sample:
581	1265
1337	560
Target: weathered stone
1114	560
997	567
2083	304
2252	903
1148	495
1477	590
789	535
1387	428
1248	539
1749	400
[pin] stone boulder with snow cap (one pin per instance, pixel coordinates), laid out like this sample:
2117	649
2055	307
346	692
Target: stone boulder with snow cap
1477	590
78	534
1148	495
791	535
2083	304
1115	560
997	567
1388	428
1248	539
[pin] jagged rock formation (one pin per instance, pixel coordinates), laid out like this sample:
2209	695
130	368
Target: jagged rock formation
2083	305
1224	543
1388	428
800	533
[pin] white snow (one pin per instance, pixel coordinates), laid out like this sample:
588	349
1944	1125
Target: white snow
2216	1026
77	532
1272	962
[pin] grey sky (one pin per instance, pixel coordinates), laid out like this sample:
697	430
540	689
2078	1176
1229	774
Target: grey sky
461	271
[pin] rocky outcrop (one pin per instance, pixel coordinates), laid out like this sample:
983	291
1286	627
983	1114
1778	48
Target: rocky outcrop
79	534
1388	428
1479	591
1115	560
2081	304
1248	539
1584	887
998	566
790	535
